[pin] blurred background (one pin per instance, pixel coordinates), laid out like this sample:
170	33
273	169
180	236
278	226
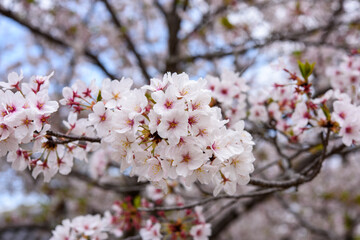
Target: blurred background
142	39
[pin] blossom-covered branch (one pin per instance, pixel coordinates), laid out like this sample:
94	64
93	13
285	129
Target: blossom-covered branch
172	132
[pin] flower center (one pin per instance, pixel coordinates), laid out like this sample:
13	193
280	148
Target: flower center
348	130
172	124
168	104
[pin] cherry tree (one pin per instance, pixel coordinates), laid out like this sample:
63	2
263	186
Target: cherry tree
208	118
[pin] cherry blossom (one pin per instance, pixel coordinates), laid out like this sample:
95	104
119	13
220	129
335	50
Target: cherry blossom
151	231
173	125
82	227
13	81
113	91
183	139
101	119
201	231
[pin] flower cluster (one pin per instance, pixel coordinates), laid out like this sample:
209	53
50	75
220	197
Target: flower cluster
191	225
124	217
345	77
345	80
83	227
170	198
166	130
290	108
170	131
25	109
229	91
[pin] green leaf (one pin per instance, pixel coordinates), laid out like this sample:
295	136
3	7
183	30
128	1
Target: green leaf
228	2
309	68
344	196
297	53
302	69
357	199
123	29
137	201
326	111
348	221
328	195
226	23
99	96
72	30
82	204
306	69
316	148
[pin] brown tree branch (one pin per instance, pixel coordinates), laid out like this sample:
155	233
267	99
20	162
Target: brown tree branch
173	22
18	227
161	8
55	40
304	223
114	188
330	27
71	138
232	214
275	37
207	19
128	40
257	193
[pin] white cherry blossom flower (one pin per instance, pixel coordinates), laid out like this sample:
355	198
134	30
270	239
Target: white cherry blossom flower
37	84
224	146
114	91
201	231
350	131
225	180
13	81
19	159
44	168
301	115
101	119
258	113
189	158
99	161
155	171
135	103
24	125
40	102
8	144
157	84
343	111
167	101
151	231
63	231
173	125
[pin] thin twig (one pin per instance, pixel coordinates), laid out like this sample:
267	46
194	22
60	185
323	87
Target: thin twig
275	37
115	188
71	138
55	40
304	223
137	237
257	193
128	40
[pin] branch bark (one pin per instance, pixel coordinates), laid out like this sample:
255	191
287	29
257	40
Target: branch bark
257	193
275	37
72	138
55	40
128	40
